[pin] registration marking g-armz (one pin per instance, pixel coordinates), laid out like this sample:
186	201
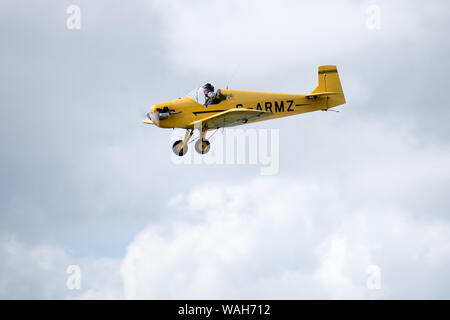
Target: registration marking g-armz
275	106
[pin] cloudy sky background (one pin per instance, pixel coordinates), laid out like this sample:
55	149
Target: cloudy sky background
84	182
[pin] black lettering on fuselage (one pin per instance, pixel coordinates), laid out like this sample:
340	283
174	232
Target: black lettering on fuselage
279	108
290	105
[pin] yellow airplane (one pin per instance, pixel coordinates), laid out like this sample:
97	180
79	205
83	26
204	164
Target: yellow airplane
205	110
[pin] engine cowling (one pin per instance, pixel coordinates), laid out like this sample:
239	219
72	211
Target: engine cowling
159	114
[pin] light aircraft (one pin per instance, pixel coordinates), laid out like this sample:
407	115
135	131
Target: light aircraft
205	110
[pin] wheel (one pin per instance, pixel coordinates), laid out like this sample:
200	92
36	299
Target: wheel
177	148
202	146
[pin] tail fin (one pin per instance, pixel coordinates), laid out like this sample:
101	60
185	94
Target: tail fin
329	83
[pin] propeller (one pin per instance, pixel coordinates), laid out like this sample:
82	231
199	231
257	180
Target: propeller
161	114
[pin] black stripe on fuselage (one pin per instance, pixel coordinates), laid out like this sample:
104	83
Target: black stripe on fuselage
209	111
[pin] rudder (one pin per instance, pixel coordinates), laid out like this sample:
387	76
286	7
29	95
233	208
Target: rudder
329	82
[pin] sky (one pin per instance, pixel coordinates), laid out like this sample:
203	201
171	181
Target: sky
358	207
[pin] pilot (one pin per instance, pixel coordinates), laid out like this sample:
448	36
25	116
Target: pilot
211	97
208	90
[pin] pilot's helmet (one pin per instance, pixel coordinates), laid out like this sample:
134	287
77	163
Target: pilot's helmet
208	87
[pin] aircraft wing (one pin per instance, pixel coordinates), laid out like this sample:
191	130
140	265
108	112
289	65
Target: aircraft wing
231	117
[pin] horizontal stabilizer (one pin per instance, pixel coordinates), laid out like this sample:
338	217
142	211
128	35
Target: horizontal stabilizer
319	94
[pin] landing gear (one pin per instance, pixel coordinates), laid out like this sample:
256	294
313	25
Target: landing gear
180	147
202	146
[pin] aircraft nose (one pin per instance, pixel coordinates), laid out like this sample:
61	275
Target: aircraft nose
158	113
154	116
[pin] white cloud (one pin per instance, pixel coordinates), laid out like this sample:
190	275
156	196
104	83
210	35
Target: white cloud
101	278
30	271
264	37
283	240
39	271
367	199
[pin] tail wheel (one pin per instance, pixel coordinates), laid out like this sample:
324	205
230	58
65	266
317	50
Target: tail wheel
178	149
202	146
